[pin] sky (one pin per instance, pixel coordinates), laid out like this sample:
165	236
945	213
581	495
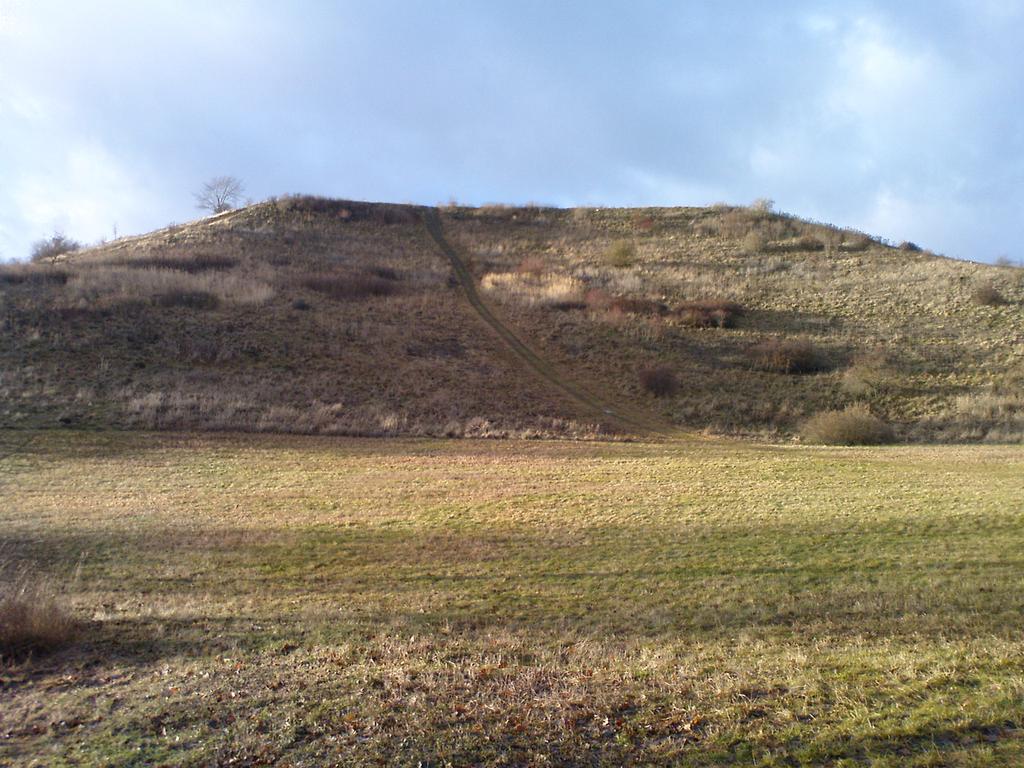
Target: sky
901	119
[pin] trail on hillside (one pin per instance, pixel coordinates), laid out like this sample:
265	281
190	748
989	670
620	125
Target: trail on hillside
630	418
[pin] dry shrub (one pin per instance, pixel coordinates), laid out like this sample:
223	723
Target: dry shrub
910	247
659	380
188	299
53	247
33	618
32	274
186	262
357	285
753	243
855	241
621	253
532	266
598	299
99	286
868	375
787	356
632	306
709	313
987	295
855	425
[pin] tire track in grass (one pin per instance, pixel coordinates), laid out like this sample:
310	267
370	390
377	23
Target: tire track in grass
621	416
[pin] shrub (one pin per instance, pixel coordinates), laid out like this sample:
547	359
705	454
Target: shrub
532	266
54	247
868	374
33	619
787	356
621	253
709	313
385	273
753	243
987	295
189	262
31	274
598	299
853	426
350	286
188	299
637	306
659	380
910	247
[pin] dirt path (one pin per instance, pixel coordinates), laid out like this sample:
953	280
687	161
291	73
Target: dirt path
628	418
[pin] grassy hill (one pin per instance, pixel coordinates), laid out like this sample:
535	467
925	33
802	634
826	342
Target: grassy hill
322	316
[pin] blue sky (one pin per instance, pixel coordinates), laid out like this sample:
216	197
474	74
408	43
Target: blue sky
901	119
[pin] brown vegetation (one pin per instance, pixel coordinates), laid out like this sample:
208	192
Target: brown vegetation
855	425
33	617
659	380
788	356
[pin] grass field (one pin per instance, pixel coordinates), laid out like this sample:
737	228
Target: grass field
305	601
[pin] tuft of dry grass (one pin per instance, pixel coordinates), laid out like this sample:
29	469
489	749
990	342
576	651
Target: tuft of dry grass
855	425
787	356
621	253
34	619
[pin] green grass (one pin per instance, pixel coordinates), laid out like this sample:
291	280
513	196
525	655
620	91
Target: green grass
369	602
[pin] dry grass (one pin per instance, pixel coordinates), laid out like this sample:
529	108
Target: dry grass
34	617
544	290
855	425
106	286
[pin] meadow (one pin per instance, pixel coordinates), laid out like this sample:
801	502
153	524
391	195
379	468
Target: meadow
308	600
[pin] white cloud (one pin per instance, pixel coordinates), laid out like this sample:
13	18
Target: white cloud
84	192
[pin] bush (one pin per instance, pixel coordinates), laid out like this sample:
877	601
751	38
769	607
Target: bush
753	243
33	619
621	253
350	286
659	380
532	266
636	306
188	299
987	295
853	426
54	247
709	313
788	356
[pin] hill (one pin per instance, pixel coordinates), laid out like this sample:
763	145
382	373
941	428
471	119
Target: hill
324	316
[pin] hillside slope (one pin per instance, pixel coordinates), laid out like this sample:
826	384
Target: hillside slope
313	315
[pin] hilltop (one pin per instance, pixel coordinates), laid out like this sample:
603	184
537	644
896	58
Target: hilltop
325	316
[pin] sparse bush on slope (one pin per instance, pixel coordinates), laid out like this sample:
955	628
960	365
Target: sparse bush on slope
788	356
659	380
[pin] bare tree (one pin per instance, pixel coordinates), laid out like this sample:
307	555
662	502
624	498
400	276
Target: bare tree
219	194
52	248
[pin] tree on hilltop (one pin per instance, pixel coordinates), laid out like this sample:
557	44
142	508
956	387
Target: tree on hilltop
219	194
